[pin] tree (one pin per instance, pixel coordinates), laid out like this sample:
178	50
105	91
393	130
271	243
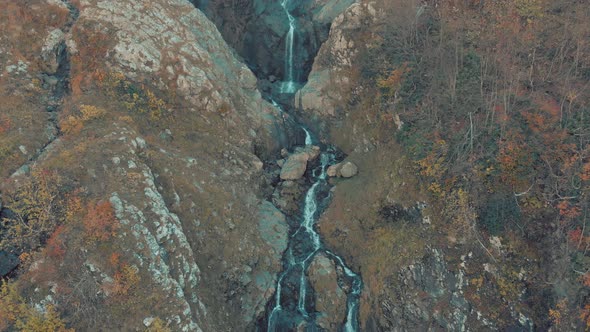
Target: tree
35	211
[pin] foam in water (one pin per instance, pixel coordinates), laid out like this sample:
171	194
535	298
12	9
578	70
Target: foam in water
297	264
289	85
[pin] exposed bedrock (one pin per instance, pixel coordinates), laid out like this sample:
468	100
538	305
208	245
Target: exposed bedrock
257	30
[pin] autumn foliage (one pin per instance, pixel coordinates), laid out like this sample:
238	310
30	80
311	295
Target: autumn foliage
494	100
100	221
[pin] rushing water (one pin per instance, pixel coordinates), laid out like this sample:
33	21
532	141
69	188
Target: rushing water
289	85
293	304
293	301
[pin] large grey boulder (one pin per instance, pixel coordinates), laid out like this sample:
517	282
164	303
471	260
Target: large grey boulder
348	170
294	167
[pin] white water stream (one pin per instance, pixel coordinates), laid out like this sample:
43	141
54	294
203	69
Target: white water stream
289	85
305	242
299	262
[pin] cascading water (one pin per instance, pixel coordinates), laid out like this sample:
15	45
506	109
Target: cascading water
304	244
293	304
289	85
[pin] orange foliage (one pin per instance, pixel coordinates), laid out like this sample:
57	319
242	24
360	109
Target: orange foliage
515	160
71	125
567	210
5	124
585	315
100	221
115	259
124	281
393	81
93	44
556	314
55	244
577	238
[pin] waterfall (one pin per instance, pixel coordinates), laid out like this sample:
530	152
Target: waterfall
296	265
289	85
305	242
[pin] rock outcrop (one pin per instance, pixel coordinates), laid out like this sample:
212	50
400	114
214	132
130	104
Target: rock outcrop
265	24
330	297
177	144
322	101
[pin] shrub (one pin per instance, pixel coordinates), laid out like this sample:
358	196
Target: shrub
16	313
35	209
90	112
100	222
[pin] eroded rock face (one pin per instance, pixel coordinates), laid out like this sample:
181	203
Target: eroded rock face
179	48
330	297
330	81
187	186
264	23
53	49
287	196
205	196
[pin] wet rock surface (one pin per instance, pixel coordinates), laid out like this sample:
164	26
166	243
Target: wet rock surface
264	23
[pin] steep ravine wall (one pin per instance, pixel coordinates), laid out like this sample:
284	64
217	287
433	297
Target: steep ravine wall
257	31
415	277
178	147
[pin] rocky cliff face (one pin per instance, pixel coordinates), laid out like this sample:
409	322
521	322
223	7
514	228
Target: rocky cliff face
178	147
264	23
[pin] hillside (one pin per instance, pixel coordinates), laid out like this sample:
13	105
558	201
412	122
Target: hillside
312	165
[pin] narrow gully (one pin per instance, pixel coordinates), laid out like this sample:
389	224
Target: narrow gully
293	303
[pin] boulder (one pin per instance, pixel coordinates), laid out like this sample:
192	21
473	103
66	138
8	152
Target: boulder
348	170
332	170
345	169
294	166
311	151
330	297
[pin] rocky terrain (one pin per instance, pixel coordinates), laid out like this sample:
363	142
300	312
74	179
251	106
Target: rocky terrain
156	177
183	169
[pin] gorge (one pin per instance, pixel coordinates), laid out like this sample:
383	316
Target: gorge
294	165
291	304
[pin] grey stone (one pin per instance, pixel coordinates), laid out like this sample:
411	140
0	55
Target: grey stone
52	51
330	297
8	262
348	170
294	166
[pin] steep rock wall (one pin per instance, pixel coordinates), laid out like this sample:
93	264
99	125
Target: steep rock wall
178	149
